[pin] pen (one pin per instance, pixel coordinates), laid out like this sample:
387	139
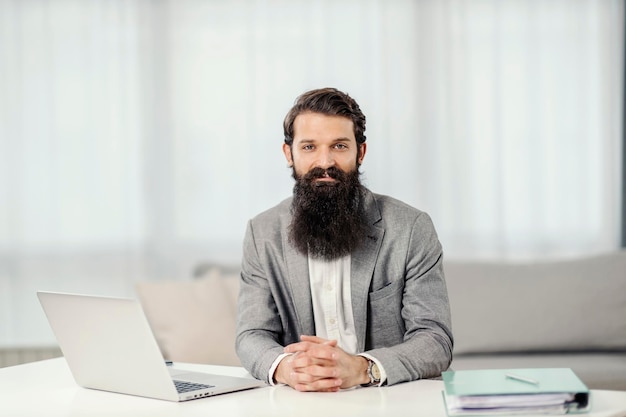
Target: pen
522	379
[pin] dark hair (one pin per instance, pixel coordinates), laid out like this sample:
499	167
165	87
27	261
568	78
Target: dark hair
331	102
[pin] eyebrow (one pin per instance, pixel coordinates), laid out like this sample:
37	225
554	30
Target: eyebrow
342	139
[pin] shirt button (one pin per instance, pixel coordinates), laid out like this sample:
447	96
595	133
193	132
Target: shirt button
332	321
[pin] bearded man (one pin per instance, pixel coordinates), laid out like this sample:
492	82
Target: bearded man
340	287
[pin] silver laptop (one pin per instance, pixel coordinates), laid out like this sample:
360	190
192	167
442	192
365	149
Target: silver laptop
108	345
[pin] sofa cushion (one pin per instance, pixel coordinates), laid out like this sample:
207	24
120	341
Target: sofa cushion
193	321
567	305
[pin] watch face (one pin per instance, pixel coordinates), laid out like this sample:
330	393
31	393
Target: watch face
375	372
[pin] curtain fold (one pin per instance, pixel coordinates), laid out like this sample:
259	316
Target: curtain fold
138	137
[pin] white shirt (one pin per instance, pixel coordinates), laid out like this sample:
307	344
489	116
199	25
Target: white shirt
332	301
332	307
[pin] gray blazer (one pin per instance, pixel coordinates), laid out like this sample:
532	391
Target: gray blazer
399	297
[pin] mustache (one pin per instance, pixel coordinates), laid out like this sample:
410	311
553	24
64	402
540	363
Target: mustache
317	172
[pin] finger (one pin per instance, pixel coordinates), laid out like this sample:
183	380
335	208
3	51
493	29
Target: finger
302	361
301	347
297	347
320	385
307	342
318	340
306	374
314	372
321	351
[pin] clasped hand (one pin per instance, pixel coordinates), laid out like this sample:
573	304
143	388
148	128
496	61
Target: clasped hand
318	364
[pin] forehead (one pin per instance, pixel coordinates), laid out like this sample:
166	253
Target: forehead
318	126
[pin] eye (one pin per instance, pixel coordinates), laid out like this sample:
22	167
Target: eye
341	146
307	147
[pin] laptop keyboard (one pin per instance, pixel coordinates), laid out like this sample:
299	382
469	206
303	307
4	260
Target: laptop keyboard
184	386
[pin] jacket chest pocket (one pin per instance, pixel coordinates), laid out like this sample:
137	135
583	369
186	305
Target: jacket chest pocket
385	326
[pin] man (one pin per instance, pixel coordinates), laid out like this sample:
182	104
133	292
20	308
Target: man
340	287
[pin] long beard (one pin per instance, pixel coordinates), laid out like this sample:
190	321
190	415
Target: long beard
328	218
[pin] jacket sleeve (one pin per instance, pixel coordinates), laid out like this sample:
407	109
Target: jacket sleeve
259	327
426	347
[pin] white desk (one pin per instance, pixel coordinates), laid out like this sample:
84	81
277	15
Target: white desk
47	388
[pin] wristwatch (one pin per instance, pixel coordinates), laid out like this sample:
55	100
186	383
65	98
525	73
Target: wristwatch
373	372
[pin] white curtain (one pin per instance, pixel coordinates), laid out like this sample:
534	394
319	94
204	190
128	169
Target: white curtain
519	121
138	137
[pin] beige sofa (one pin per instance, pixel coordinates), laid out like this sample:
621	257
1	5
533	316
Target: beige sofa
568	313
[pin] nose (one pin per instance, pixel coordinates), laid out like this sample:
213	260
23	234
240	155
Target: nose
325	159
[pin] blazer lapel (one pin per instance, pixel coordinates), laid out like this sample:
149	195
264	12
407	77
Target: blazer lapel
362	269
298	281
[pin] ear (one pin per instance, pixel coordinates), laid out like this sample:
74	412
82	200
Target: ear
287	152
361	153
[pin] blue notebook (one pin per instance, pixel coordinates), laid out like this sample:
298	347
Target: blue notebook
506	391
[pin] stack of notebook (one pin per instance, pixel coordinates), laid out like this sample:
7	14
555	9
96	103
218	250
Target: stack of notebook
514	391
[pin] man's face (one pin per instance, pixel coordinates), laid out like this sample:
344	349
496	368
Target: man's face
322	141
328	219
